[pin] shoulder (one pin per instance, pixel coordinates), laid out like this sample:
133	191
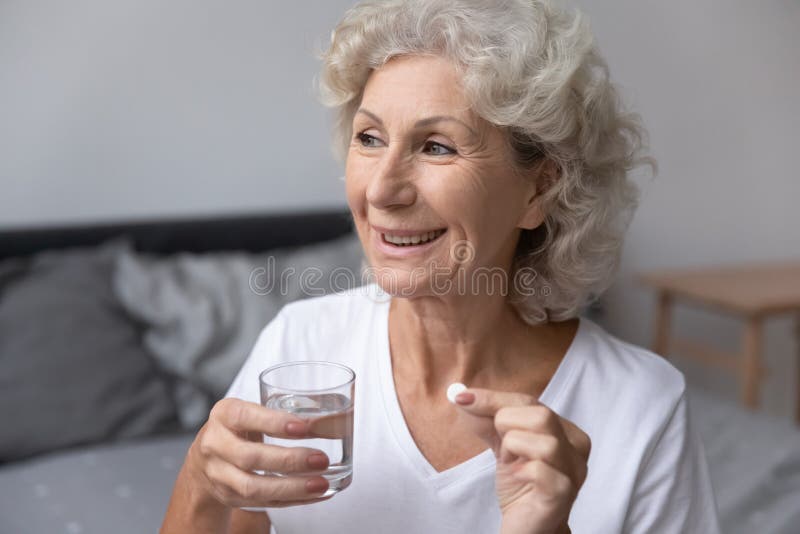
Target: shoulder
625	376
335	309
632	364
332	327
632	403
325	321
621	394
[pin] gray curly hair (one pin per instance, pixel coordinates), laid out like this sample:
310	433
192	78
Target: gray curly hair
531	68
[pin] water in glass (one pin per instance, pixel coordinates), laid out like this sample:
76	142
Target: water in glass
330	417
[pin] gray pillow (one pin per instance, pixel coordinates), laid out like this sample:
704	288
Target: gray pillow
73	367
203	312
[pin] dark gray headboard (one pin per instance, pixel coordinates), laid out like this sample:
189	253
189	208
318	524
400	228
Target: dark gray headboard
252	233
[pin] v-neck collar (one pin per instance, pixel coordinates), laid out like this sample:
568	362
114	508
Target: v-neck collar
480	462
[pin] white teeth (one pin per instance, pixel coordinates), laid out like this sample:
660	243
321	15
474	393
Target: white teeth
413	240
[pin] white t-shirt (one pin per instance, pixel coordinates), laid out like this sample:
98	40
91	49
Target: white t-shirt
647	469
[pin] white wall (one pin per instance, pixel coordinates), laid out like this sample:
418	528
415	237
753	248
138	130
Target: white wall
137	108
718	84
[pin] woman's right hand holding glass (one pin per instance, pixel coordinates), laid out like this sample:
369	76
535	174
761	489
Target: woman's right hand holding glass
229	448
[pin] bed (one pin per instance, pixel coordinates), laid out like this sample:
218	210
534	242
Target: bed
118	482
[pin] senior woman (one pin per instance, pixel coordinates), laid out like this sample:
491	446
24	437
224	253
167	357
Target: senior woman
481	139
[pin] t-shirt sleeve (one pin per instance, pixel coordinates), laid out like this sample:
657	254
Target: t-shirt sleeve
673	493
266	352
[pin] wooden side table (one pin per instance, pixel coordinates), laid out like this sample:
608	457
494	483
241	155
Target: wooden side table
750	292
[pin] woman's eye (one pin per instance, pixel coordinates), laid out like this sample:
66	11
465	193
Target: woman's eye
438	149
367	140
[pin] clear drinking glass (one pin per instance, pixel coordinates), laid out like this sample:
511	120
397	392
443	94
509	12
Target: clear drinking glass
322	393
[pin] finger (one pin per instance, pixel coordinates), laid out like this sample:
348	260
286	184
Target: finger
486	402
478	414
250	456
548	480
540	418
531	446
243	488
243	417
333	426
536	418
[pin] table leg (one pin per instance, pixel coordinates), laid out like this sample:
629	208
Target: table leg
663	324
751	362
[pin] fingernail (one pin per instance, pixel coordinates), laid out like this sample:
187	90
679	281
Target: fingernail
317	461
465	398
316	485
296	429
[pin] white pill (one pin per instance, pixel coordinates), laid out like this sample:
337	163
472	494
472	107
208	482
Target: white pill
454	389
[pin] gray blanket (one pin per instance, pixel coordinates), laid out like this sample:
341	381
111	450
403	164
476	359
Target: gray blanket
755	466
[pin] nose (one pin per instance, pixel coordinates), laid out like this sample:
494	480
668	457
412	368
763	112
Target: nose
391	184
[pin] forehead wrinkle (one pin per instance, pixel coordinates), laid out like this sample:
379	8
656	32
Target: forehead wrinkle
444	118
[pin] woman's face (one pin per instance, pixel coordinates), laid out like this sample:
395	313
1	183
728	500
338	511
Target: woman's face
422	166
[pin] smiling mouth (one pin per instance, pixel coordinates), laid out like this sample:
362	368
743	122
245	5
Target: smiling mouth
412	241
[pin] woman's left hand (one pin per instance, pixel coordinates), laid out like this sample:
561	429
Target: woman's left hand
541	458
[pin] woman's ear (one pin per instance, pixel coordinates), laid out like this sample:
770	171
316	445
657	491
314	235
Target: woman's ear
542	178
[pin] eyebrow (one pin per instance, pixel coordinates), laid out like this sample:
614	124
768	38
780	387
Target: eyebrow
423	122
